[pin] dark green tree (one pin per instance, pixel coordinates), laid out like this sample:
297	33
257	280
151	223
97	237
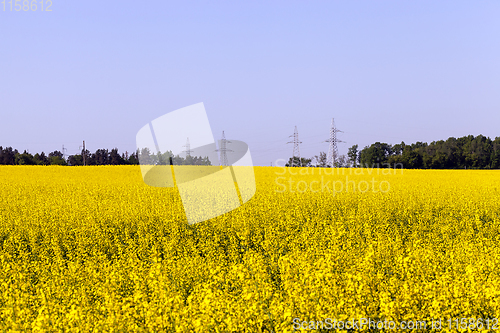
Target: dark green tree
101	157
24	159
75	160
133	158
56	158
41	159
8	156
304	162
115	158
321	160
375	156
353	155
495	154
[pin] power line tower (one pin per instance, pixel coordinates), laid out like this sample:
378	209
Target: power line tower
333	151
223	150
188	150
296	151
84	152
64	152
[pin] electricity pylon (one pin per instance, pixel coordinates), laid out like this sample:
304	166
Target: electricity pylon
188	150
296	151
223	150
333	151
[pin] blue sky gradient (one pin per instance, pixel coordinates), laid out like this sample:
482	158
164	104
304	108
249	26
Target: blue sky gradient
386	71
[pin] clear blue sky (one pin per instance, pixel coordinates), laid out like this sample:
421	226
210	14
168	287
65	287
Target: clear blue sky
387	71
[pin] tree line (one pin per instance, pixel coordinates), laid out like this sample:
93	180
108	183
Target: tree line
11	156
468	152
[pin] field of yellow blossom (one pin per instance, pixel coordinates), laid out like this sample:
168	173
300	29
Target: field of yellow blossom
96	249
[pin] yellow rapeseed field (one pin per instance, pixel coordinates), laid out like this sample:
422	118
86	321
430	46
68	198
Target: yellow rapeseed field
95	249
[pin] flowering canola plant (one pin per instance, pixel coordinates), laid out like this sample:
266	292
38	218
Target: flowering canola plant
95	249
